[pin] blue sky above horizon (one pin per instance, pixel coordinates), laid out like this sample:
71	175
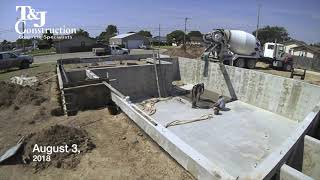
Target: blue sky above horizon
300	18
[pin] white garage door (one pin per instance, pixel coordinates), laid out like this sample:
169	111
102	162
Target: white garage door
134	44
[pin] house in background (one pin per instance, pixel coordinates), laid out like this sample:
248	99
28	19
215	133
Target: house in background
76	44
300	48
129	40
289	45
156	40
196	40
307	51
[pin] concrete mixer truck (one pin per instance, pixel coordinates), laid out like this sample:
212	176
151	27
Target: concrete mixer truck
242	49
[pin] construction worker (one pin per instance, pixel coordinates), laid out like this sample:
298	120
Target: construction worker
220	104
197	91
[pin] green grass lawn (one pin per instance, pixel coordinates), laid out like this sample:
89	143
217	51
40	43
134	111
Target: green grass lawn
34	70
40	52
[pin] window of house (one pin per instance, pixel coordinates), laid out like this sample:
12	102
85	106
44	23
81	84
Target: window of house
0	56
83	44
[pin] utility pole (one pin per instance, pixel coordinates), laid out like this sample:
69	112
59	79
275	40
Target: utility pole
159	44
185	32
258	20
23	37
18	18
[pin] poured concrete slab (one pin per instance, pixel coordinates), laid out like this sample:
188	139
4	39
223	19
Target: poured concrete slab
238	140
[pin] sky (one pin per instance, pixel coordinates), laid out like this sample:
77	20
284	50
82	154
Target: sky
300	18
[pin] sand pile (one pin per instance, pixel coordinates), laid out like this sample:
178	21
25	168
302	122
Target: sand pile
56	137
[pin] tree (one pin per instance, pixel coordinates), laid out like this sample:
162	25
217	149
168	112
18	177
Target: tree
81	32
4	42
272	33
175	37
145	33
47	38
25	42
110	31
194	34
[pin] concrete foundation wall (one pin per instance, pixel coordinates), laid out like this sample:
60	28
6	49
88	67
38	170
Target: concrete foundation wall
78	75
104	58
311	157
287	97
288	173
139	81
84	98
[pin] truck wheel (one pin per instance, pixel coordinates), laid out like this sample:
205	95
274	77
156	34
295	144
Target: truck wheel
287	67
24	65
240	63
251	63
125	53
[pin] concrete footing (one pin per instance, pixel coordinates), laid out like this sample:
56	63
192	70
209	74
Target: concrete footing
262	135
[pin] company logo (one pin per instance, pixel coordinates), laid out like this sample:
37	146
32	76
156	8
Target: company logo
29	14
31	23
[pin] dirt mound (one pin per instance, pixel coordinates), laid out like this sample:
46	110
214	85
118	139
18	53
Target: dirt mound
15	94
191	51
56	137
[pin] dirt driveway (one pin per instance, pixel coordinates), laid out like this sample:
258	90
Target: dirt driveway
311	77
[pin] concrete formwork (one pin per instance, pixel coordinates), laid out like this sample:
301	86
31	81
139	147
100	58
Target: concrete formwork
139	81
260	133
81	91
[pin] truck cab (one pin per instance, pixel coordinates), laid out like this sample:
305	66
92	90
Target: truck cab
110	50
274	54
273	50
117	50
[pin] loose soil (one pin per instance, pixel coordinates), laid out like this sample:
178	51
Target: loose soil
190	52
17	95
57	136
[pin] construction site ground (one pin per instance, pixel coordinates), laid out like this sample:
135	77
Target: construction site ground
123	151
311	77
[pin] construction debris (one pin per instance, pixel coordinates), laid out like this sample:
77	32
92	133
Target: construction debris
24	81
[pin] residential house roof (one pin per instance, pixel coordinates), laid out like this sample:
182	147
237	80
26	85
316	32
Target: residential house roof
308	47
120	36
293	41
